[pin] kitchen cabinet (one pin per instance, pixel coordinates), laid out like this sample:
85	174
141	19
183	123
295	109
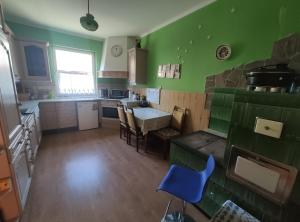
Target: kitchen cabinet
34	60
2	20
8	92
10	135
66	114
58	115
137	66
48	116
15	54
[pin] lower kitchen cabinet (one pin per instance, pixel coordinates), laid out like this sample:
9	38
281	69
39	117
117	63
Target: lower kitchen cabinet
48	116
66	114
58	115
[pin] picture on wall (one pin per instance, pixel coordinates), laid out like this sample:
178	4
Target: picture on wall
177	71
170	71
160	72
169	74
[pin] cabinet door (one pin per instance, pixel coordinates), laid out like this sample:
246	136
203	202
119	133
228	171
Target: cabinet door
48	116
8	92
66	114
35	60
2	20
38	125
132	67
15	53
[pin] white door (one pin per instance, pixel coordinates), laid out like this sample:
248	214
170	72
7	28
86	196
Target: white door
87	115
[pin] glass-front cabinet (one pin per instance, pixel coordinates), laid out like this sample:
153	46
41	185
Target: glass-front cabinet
34	57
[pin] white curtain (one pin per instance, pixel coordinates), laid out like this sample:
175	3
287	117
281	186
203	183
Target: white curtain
75	73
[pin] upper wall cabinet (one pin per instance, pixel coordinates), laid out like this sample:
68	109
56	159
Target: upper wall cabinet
34	58
137	66
15	54
2	20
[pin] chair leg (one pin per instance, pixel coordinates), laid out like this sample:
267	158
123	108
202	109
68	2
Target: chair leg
166	149
177	216
146	142
167	209
137	143
129	137
121	132
183	207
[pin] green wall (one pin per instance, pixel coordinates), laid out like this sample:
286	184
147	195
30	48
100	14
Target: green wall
58	39
249	26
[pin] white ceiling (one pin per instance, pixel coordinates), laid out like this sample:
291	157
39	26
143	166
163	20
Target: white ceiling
115	17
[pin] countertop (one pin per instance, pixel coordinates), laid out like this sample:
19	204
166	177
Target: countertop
31	105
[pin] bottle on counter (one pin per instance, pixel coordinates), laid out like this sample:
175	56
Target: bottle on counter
133	96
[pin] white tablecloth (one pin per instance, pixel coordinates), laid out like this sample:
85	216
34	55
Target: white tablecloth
149	119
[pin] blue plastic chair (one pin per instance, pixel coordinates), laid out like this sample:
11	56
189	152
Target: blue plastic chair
186	184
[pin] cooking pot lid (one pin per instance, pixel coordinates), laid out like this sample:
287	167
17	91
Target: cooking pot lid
272	69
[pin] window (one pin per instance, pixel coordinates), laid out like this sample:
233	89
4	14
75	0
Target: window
74	72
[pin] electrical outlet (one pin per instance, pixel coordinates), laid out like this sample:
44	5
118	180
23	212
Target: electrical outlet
268	127
5	185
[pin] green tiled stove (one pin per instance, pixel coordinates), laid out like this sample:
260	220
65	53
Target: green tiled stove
233	113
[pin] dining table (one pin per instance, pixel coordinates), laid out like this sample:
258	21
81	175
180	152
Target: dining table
150	119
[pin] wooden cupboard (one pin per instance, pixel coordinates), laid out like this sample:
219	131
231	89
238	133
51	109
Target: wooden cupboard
34	60
66	114
58	115
48	116
2	20
137	66
11	127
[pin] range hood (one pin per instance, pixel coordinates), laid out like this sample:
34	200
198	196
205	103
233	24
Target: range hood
114	63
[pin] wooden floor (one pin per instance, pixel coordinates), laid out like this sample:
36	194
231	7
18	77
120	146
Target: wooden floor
94	176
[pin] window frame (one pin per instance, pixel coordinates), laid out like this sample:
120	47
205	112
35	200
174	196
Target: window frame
83	51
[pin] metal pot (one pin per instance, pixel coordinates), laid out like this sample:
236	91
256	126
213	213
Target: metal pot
274	76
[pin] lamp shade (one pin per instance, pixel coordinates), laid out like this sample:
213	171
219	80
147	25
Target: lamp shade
88	22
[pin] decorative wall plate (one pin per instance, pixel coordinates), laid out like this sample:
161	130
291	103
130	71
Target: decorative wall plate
223	52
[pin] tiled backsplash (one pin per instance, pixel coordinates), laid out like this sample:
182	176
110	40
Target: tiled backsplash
40	89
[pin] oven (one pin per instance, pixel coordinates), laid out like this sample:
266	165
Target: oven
110	112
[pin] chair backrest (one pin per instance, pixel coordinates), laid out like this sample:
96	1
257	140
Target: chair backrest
210	166
177	118
121	114
131	119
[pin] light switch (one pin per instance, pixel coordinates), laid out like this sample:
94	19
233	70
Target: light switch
268	127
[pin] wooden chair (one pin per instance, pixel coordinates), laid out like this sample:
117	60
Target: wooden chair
173	130
123	121
133	129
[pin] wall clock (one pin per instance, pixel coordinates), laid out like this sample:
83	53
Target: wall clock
116	50
223	52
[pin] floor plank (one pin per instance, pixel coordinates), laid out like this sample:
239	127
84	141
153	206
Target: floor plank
94	176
